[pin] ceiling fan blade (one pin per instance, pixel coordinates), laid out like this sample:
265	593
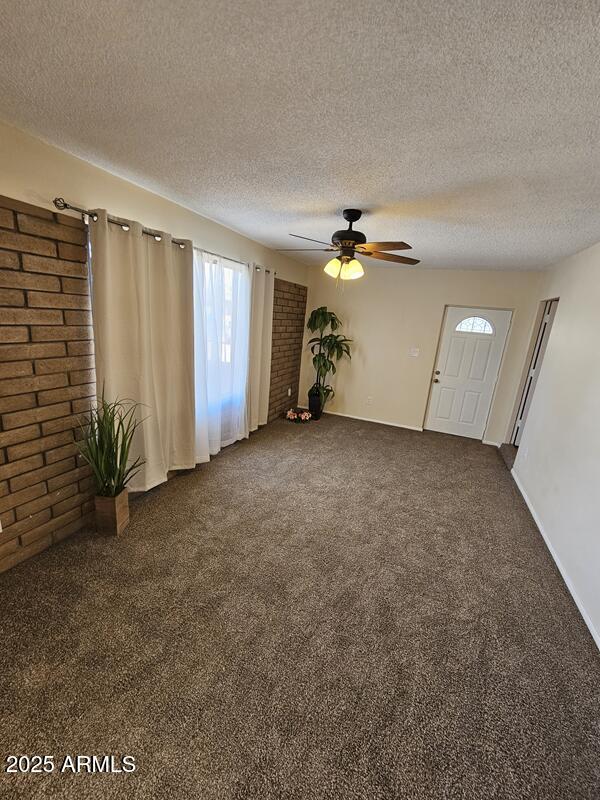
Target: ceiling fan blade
308	239
392	257
385	246
306	249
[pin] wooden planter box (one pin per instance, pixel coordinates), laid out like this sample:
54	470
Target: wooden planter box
112	513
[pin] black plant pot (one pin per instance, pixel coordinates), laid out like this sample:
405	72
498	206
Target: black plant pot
314	406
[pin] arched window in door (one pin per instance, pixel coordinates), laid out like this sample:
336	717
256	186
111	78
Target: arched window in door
474	325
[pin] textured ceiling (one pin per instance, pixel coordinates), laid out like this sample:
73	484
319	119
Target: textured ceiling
469	129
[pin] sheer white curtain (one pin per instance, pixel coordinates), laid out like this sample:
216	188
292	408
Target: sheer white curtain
261	327
143	330
221	351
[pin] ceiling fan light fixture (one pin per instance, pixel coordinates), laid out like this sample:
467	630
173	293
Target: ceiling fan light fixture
333	267
348	243
352	270
347	269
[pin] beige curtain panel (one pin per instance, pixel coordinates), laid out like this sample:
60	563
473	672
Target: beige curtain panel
261	327
142	303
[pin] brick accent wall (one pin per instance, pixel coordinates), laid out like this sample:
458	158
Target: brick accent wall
46	378
289	312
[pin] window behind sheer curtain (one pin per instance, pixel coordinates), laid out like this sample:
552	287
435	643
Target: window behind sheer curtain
221	348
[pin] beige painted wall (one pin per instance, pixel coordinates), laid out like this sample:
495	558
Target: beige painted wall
558	464
391	310
36	172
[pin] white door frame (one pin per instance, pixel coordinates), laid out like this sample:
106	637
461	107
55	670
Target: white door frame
533	370
447	307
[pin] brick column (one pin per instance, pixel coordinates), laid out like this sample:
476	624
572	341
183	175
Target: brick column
46	378
289	312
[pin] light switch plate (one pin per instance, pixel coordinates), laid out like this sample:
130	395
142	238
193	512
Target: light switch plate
413	352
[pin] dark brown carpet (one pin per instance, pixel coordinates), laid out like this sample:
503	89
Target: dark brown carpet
338	610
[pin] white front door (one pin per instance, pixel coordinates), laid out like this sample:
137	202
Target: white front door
468	361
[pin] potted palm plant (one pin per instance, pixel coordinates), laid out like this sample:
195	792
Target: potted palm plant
105	444
327	348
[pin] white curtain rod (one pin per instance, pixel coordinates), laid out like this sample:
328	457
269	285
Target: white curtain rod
62	205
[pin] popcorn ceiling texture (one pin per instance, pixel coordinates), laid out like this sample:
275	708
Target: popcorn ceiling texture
469	129
332	611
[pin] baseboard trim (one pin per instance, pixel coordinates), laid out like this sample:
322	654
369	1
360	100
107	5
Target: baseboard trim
557	561
378	421
487	441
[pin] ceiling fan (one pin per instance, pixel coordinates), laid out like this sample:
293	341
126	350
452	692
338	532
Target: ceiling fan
350	243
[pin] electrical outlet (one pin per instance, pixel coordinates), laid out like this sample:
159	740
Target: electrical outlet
289	391
369	400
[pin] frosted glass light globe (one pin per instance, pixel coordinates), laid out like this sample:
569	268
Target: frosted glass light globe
333	267
352	270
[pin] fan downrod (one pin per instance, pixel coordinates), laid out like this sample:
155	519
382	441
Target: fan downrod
352	215
349	238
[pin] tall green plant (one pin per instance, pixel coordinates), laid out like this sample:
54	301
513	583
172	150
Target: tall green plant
327	348
106	440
